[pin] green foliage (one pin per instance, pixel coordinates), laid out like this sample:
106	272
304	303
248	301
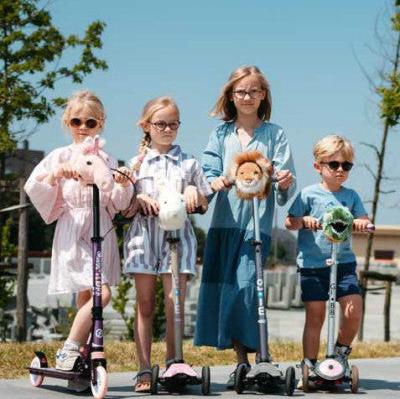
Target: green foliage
7	283
119	302
390	90
8	249
31	50
200	237
64	324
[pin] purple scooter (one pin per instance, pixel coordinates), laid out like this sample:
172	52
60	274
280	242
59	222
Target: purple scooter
90	367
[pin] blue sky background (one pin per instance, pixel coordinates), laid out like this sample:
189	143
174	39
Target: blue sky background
188	49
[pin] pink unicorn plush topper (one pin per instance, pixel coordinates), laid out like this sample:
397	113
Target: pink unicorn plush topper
90	164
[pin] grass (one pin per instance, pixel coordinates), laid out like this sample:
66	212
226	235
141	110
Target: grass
14	357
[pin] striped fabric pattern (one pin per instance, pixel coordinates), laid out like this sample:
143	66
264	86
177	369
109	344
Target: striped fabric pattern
146	249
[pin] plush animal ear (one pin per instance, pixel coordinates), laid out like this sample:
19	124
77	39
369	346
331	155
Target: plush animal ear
91	145
265	165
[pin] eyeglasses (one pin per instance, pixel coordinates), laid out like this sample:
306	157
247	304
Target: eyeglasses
162	125
334	165
241	94
89	123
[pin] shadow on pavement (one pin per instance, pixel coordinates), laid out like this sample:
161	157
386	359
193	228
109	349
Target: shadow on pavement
370	385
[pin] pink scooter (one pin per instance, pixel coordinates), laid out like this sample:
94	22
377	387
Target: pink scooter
178	374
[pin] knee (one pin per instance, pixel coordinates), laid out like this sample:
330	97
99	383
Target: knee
106	295
315	320
145	307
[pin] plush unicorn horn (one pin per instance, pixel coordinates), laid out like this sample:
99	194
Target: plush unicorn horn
91	166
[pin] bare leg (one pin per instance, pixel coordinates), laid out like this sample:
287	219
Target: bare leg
315	315
351	306
241	352
82	324
169	310
145	304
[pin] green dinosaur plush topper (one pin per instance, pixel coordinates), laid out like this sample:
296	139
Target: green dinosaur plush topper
337	224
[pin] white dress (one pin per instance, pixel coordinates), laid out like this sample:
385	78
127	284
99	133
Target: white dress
70	203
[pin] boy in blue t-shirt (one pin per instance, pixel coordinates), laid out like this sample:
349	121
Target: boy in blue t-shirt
333	156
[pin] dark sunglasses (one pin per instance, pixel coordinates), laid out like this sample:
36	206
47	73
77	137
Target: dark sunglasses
162	125
89	123
334	165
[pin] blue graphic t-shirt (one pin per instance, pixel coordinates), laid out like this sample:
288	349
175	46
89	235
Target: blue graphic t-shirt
313	247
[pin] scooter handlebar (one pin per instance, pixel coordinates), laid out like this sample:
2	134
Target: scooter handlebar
369	229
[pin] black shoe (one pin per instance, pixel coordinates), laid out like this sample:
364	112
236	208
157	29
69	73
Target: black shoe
231	381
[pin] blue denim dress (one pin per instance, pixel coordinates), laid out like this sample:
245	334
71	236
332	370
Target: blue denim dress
227	306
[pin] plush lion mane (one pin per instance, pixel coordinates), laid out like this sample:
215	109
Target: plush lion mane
251	172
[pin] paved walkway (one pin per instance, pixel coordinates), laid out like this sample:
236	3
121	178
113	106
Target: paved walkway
380	378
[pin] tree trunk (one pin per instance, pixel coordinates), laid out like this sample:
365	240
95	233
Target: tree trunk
22	268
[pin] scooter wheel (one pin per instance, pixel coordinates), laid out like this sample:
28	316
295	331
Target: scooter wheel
240	375
305	374
355	379
154	379
290	381
36	379
99	390
205	380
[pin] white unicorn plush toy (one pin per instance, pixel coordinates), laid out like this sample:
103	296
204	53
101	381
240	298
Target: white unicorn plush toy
172	214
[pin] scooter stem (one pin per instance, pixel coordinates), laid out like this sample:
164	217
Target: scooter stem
173	242
332	302
97	309
262	322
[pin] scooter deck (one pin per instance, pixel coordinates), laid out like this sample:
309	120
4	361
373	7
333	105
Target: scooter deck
264	376
55	373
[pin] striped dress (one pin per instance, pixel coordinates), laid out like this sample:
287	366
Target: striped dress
146	249
227	306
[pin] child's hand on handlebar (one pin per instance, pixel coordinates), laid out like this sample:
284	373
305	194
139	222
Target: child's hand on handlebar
221	183
64	170
191	198
147	205
362	225
311	223
284	178
123	176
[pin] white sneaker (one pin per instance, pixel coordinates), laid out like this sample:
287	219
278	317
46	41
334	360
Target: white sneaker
65	359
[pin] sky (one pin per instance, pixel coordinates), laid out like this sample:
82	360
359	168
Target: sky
309	50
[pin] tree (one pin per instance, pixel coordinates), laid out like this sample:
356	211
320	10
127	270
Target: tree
31	63
31	50
389	93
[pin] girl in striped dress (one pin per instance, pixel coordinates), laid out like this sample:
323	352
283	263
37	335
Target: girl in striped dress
146	250
227	307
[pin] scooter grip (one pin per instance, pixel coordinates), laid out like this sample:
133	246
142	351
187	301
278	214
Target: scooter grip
370	227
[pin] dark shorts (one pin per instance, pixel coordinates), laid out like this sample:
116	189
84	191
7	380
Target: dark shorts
315	282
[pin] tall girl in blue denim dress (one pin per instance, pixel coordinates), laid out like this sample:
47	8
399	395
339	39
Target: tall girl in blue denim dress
227	308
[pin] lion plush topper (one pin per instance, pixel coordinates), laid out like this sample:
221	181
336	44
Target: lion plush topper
252	174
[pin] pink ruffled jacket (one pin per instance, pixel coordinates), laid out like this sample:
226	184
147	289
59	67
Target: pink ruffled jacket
70	203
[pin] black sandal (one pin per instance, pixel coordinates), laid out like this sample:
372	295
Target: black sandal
143	385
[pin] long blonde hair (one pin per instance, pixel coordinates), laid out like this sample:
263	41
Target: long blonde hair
150	108
225	108
84	98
